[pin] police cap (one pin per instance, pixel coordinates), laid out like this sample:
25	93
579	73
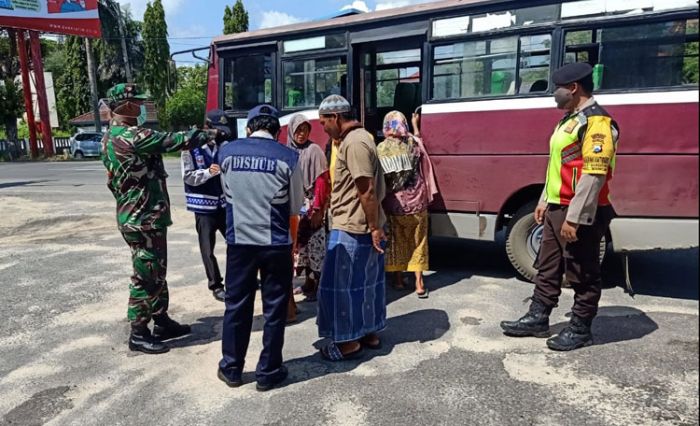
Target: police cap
571	73
217	119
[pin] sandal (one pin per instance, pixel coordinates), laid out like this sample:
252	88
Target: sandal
367	343
424	294
332	352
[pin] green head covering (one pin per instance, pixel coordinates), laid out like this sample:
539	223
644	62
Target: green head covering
124	91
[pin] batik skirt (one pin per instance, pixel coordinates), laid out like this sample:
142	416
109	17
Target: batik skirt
407	248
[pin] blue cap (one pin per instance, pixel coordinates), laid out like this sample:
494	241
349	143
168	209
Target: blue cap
263	110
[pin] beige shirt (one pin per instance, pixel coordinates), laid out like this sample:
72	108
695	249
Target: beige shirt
357	157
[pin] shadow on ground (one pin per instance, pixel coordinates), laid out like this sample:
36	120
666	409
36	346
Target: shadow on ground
454	260
616	324
21	183
661	273
419	326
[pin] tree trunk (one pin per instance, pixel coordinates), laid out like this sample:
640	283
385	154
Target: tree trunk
11	130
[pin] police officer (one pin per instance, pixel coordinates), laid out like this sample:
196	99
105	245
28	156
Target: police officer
204	197
575	210
136	177
263	188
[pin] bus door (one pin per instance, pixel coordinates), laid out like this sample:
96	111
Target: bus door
247	77
387	77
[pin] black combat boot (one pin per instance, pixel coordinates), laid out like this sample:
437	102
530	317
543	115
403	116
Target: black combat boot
534	323
576	335
166	328
141	340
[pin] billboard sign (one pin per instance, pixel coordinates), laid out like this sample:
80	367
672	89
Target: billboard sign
73	17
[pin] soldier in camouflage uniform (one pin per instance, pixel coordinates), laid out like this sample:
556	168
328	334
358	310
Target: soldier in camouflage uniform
136	178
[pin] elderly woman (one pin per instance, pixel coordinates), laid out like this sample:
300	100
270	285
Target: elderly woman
311	236
410	189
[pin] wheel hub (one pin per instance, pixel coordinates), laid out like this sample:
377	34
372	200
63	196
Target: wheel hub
534	239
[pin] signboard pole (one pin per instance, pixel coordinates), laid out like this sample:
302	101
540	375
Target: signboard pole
92	77
27	90
41	93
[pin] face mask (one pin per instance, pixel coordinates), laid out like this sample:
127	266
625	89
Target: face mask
141	119
563	96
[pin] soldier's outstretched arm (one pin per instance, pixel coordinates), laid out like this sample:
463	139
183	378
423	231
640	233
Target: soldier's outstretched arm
147	141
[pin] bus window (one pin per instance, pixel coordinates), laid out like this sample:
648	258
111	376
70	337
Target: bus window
308	81
653	55
394	68
534	63
247	81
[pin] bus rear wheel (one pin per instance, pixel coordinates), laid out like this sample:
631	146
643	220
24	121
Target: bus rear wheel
523	242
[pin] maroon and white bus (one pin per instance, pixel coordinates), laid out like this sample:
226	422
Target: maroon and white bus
480	73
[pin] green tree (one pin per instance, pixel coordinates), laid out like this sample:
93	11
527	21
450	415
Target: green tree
188	105
72	83
156	69
11	99
11	106
111	68
235	19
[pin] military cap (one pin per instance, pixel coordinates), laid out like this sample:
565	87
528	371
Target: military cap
263	110
124	91
571	73
217	119
334	104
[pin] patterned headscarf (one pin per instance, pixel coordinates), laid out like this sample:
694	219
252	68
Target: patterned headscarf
395	125
398	154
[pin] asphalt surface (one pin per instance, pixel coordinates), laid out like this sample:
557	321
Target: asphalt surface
63	356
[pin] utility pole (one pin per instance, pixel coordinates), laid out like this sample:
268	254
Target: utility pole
26	84
92	76
40	85
125	53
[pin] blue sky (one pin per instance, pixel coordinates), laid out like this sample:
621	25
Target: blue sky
193	23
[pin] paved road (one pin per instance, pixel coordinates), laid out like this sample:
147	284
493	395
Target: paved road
63	358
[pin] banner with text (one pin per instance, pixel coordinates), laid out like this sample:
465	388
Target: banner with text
74	17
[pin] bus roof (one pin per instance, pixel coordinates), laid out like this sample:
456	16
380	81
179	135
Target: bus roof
363	18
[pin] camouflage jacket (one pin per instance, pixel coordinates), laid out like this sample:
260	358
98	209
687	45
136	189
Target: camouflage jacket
136	174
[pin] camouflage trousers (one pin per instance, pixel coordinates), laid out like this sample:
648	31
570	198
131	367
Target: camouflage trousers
148	291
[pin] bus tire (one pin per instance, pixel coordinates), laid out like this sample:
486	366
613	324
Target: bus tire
520	230
520	241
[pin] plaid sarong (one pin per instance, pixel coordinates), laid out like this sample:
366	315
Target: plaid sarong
351	295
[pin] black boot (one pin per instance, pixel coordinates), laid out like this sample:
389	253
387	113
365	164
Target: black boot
166	328
141	340
534	323
576	335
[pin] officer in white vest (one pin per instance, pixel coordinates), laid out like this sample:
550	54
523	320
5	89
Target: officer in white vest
204	196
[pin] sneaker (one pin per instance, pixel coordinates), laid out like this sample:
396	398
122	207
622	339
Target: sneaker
219	294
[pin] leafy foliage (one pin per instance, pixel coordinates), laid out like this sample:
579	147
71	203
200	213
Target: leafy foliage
188	105
111	68
156	52
235	19
72	83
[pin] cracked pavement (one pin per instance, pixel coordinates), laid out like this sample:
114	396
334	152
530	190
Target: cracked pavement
63	356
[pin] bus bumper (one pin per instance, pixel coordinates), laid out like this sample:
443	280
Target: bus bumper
643	234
